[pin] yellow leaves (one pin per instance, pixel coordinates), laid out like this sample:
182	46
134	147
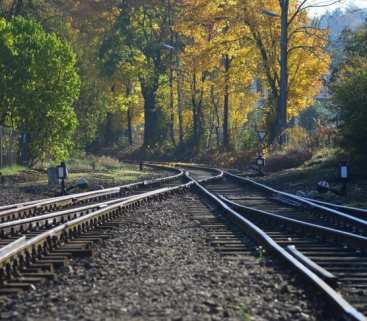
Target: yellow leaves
242	31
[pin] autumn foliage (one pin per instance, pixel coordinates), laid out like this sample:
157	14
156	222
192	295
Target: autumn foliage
185	75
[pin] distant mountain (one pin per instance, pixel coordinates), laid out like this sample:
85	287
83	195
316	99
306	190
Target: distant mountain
338	20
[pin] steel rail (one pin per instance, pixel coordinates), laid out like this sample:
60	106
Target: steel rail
46	200
38	222
354	211
355	241
346	311
56	217
359	224
23	253
51	218
45	242
75	199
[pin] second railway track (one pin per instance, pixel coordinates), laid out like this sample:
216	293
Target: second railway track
326	246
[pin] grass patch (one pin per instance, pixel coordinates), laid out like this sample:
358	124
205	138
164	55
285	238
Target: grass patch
324	157
12	170
124	174
91	162
245	313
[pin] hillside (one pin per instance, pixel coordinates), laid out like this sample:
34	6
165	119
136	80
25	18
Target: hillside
338	20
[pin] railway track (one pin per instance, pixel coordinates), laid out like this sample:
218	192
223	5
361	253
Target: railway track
37	237
16	223
360	213
328	253
334	260
38	207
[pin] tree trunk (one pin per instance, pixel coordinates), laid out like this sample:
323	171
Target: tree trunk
226	137
195	121
172	111
109	135
151	130
283	95
272	121
197	111
180	103
197	96
217	117
150	123
129	116
129	126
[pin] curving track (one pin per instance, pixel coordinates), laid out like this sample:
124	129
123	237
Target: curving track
326	246
38	236
322	244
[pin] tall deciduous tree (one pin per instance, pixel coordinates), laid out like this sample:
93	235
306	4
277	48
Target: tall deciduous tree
141	30
38	87
306	58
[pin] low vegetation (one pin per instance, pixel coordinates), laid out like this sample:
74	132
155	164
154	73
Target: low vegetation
12	170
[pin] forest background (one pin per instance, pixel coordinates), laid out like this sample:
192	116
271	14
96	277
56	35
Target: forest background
188	80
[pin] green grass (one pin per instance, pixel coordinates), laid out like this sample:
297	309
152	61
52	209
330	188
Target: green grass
12	170
324	157
126	174
103	171
90	162
245	313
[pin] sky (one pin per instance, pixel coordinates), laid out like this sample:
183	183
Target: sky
343	4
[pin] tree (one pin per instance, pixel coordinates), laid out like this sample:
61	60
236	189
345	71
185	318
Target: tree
350	92
350	96
141	29
283	33
216	48
39	84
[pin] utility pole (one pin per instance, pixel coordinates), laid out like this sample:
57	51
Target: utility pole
283	95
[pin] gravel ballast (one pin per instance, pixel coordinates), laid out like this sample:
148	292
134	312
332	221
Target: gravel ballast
162	268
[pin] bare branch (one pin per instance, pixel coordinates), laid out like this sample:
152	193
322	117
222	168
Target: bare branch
298	10
302	7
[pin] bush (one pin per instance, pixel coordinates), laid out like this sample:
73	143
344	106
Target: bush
297	138
350	95
288	159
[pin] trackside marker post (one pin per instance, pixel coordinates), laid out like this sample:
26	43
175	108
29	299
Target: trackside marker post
62	174
344	176
260	162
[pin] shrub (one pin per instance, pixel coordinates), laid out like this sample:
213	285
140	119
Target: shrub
350	95
288	159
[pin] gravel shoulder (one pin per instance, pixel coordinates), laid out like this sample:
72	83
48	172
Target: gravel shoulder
162	268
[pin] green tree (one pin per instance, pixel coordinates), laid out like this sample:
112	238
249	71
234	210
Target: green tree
350	96
39	84
350	92
138	39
